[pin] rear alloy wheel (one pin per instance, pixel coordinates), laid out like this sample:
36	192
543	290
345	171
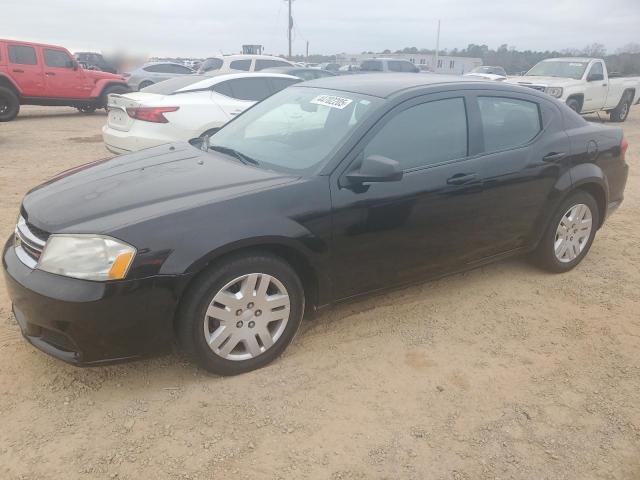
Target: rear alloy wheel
9	105
241	314
569	234
621	112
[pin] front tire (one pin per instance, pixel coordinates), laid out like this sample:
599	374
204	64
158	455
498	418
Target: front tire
621	112
117	89
241	314
569	234
9	104
574	105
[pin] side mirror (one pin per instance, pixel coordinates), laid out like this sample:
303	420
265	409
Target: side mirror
376	168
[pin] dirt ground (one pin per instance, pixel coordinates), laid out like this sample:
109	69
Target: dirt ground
505	372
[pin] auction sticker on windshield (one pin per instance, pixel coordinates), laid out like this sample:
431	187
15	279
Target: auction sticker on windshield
332	101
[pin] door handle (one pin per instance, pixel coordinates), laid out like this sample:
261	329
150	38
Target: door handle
17	70
462	178
49	74
238	112
604	84
554	156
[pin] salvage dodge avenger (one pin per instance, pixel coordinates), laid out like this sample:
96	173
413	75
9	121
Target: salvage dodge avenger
324	191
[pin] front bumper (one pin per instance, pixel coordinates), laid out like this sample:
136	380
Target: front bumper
88	323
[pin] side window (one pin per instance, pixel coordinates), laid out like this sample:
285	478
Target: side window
409	67
395	66
212	64
250	89
57	59
596	73
426	134
240	65
278	84
262	64
179	69
22	55
508	122
371	66
160	68
224	88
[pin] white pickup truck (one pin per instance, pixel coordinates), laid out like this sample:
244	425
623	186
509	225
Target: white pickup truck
585	85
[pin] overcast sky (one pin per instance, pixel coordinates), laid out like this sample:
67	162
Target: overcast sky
205	27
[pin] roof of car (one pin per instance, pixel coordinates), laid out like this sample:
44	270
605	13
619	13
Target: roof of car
384	84
289	69
569	59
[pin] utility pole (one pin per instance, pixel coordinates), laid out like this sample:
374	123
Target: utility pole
437	47
290	26
307	58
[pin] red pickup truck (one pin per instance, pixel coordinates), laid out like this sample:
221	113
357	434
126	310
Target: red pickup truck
37	74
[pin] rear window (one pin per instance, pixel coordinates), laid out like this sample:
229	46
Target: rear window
174	84
248	89
57	59
508	122
371	66
240	65
22	55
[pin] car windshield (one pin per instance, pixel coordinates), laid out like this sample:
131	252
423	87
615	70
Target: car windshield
170	86
296	130
565	69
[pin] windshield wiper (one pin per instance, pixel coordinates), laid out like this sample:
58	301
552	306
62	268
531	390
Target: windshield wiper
234	153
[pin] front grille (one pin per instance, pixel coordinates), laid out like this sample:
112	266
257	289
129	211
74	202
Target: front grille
29	242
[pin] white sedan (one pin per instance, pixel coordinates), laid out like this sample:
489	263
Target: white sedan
184	108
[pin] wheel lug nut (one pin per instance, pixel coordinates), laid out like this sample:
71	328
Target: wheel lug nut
250	305
252	324
258	313
239	312
239	324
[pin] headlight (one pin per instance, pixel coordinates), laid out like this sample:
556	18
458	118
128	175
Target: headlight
89	257
554	91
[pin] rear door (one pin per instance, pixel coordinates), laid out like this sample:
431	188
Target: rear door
25	67
595	95
62	78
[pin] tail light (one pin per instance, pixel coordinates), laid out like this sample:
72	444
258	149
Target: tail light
151	114
624	145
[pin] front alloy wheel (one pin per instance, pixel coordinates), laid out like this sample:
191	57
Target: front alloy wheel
573	233
247	317
241	313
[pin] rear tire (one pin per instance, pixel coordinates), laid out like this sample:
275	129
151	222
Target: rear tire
621	112
117	89
574	105
226	321
144	84
9	104
568	229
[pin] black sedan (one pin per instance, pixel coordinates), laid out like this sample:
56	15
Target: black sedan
327	190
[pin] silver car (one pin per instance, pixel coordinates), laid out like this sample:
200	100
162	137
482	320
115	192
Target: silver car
154	72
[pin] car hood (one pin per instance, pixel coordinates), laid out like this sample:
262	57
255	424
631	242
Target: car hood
99	75
544	81
111	193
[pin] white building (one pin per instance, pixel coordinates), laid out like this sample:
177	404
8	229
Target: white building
424	61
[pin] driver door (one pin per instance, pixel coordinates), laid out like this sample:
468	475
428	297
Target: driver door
63	77
595	94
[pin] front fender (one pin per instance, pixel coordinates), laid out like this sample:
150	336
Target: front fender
101	84
10	82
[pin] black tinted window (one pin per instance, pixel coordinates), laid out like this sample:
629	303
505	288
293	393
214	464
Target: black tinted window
240	65
211	64
371	66
251	89
160	68
22	55
426	134
179	69
508	122
224	88
57	58
395	66
260	64
278	84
